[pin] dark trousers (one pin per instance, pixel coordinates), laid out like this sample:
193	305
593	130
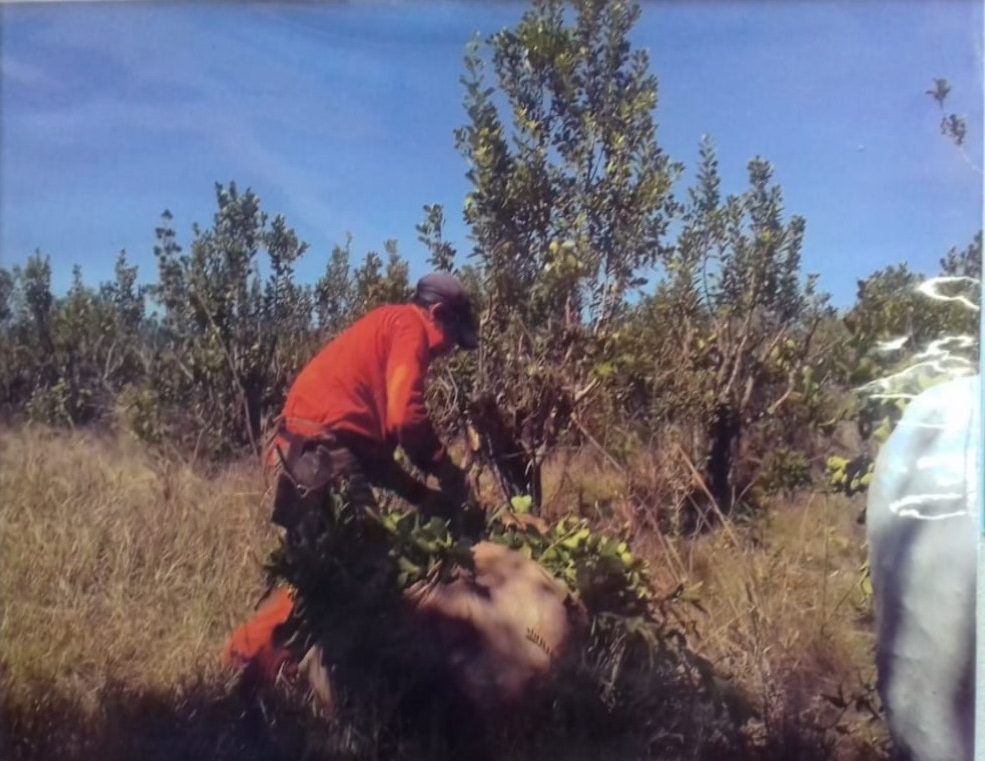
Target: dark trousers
307	468
305	471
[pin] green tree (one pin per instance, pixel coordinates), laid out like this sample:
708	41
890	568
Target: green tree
964	263
235	326
231	336
38	301
569	203
333	292
732	329
909	330
6	295
441	253
952	126
373	285
28	348
66	359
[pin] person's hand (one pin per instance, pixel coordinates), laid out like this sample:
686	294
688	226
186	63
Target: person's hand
453	483
472	522
434	504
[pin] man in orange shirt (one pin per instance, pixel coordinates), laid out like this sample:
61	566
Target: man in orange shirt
362	396
356	401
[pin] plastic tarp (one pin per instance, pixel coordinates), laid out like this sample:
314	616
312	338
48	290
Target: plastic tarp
923	523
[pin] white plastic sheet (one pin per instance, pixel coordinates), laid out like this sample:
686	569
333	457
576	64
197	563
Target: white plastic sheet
923	524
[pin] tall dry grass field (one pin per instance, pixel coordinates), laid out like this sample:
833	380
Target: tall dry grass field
122	574
778	603
789	620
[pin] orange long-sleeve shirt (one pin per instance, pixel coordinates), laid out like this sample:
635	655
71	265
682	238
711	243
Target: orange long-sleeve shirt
369	382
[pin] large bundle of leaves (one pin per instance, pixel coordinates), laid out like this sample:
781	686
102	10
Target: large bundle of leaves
350	576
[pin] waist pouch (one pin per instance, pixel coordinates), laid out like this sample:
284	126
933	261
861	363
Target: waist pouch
311	462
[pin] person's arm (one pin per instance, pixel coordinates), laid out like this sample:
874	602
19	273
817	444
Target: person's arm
430	502
407	420
390	475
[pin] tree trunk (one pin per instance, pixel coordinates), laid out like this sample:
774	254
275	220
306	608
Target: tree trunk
723	434
517	470
535	484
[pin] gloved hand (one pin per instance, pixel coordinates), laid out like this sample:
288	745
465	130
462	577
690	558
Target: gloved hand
453	483
467	521
434	504
472	523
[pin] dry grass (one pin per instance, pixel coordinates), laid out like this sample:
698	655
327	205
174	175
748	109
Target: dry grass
123	574
119	568
776	604
788	620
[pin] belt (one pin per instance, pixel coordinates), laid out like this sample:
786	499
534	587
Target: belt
298	443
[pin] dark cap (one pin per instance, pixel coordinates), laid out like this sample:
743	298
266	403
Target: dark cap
444	288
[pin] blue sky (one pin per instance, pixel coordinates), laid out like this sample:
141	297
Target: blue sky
340	116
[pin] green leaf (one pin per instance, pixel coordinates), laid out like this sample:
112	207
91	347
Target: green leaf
521	504
605	370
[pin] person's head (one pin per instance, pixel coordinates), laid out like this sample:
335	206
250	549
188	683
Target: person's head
449	306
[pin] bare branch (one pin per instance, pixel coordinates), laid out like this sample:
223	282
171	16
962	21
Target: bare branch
580	395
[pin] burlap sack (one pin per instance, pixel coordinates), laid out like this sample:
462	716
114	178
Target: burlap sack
500	630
